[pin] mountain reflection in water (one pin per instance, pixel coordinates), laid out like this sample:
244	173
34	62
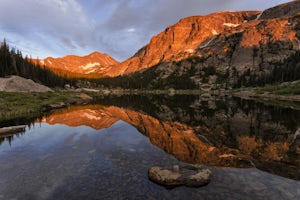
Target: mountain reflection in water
225	132
222	132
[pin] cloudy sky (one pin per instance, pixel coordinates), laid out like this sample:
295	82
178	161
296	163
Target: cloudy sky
42	28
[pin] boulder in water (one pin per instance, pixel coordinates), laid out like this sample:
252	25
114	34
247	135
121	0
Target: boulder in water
188	175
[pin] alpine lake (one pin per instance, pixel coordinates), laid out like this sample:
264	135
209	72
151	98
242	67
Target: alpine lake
104	150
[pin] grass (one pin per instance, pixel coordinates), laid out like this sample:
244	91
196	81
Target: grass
16	105
285	90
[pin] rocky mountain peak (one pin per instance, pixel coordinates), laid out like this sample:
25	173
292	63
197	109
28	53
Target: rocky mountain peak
95	64
183	38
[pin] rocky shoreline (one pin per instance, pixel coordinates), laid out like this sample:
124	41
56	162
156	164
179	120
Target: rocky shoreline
247	94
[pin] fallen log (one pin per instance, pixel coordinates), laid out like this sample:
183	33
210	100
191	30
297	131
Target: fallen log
12	129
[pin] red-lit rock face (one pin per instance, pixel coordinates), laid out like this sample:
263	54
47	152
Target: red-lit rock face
93	65
181	40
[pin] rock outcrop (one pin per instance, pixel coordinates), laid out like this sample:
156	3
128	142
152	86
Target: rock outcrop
19	84
187	175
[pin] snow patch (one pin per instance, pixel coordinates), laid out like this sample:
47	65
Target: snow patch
231	25
214	32
89	65
206	43
91	71
91	117
189	50
49	62
258	16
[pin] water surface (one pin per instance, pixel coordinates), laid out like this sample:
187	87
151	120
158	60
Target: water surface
104	150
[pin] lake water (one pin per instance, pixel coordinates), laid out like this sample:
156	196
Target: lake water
104	150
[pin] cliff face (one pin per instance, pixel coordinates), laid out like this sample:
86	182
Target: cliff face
182	39
231	34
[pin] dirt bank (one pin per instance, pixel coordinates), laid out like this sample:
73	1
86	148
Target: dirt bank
19	84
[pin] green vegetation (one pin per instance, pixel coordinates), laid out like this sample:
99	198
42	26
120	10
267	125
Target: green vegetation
287	89
149	79
286	70
16	105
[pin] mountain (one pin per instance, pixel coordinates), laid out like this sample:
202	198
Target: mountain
182	39
93	65
220	50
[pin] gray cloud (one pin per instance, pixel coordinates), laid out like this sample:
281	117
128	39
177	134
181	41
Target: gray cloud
116	27
53	26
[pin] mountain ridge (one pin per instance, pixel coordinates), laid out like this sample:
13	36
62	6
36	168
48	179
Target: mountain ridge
94	64
184	37
224	49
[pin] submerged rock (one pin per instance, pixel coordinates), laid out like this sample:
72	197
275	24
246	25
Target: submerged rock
188	175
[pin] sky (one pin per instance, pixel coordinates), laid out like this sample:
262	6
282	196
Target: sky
42	28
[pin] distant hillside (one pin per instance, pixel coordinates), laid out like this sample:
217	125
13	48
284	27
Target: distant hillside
94	65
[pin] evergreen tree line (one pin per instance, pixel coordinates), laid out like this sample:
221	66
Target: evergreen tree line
149	79
13	63
287	70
